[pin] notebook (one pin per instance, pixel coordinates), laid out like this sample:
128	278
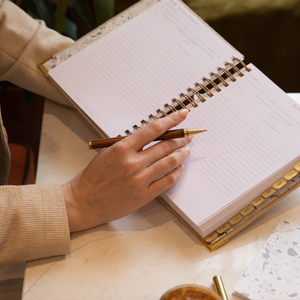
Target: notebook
159	57
274	273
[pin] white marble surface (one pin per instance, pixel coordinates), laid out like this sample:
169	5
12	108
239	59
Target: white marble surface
141	255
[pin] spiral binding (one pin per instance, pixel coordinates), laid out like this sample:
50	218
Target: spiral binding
180	103
200	90
144	122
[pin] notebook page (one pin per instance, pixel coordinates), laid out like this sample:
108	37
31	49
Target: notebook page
253	131
137	68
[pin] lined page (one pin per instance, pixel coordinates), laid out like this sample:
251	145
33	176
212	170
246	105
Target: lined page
253	131
137	68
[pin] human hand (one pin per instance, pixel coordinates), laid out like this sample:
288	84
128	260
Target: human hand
124	177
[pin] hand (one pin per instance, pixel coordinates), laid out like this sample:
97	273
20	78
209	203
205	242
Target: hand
124	177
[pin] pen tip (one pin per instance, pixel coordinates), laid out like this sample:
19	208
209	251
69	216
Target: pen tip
194	131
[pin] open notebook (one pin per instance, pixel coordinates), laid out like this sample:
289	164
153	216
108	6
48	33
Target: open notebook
166	58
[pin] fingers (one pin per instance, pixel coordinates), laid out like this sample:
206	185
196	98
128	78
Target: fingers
156	128
168	163
162	149
172	176
163	183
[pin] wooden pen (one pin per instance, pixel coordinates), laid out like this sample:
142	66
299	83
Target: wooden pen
171	134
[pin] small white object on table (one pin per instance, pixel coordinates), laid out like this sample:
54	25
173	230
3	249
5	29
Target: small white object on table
139	256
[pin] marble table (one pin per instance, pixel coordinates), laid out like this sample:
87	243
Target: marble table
139	256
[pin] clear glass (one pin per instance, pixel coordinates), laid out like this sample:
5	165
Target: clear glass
190	292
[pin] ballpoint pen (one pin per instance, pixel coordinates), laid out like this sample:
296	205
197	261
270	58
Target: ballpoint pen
171	134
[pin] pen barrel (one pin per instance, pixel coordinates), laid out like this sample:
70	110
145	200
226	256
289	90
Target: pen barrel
172	134
103	143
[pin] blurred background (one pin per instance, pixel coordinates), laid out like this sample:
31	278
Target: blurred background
265	31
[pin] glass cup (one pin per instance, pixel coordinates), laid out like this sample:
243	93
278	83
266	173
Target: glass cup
190	292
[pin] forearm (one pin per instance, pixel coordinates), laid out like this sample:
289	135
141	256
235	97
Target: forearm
25	43
33	223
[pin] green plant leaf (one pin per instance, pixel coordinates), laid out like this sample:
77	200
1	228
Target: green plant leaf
33	12
104	10
46	12
81	11
70	29
61	11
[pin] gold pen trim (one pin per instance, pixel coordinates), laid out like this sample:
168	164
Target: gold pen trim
219	286
188	132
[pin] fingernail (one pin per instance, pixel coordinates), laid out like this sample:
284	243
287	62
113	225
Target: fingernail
182	167
183	112
188	149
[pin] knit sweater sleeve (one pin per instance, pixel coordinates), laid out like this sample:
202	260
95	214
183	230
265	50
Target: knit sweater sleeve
33	223
25	43
33	219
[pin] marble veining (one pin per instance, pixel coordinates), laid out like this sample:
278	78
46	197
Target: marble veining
126	260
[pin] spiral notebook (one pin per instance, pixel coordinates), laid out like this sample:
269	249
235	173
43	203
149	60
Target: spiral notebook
158	57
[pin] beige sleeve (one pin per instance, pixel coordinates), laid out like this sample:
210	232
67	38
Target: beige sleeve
33	223
25	43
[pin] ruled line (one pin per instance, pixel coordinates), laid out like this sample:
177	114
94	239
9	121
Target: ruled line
215	179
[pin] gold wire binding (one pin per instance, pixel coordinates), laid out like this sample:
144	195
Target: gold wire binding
241	62
212	83
235	68
145	122
128	132
196	93
221	79
227	73
136	127
153	117
208	92
170	107
192	101
180	103
161	112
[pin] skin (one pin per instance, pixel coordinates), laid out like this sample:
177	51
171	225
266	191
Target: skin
124	177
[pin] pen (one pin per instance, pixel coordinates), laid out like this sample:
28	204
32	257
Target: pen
219	286
171	134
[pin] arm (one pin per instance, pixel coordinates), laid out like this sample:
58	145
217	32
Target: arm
25	43
33	219
33	223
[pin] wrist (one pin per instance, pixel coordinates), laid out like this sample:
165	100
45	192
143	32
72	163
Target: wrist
71	207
